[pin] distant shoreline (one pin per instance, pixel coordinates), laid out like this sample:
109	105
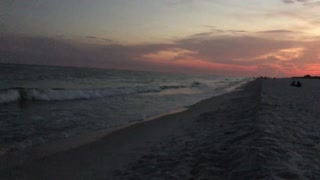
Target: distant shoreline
306	77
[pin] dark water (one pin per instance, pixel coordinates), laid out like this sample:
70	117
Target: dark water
40	104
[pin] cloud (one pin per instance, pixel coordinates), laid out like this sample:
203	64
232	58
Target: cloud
214	32
277	31
57	51
288	1
91	37
283	34
284	54
170	55
95	38
312	4
203	34
312	68
309	3
176	2
209	26
293	1
237	31
240	54
231	49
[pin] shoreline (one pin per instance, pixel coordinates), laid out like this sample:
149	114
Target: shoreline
15	158
33	157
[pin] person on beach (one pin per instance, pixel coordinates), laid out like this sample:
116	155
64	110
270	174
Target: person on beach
298	84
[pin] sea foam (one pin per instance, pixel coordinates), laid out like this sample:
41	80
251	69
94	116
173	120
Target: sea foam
10	95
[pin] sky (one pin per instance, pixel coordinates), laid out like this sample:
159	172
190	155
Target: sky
276	38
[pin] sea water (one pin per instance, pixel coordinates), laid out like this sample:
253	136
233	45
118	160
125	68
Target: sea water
39	104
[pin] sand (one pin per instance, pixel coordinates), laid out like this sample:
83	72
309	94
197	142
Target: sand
268	130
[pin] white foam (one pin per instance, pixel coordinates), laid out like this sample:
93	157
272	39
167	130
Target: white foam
237	84
72	94
7	96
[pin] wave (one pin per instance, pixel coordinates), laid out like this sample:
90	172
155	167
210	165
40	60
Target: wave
58	94
16	94
9	95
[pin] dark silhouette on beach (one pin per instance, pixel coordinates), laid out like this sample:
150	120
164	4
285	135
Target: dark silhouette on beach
296	84
299	84
308	76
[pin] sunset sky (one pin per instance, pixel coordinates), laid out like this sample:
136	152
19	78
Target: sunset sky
221	37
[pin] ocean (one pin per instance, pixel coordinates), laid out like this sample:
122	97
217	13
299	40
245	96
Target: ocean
40	104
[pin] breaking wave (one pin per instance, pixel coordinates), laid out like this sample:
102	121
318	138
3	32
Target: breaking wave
59	94
9	95
55	94
15	94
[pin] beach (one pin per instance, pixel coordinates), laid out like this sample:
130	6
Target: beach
266	130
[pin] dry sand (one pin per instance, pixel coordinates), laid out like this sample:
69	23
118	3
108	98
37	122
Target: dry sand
269	130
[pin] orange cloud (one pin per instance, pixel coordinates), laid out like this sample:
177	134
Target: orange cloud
284	54
188	60
210	66
171	54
